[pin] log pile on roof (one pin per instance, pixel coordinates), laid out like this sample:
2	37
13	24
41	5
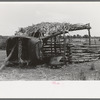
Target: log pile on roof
48	28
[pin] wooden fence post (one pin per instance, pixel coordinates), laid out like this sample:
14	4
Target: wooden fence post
64	47
89	35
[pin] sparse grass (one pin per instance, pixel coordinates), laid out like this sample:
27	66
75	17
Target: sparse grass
82	75
43	72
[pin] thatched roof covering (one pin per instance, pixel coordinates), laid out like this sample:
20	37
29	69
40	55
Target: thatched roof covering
48	28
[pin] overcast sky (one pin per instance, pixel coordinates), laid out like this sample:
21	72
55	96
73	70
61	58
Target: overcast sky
14	15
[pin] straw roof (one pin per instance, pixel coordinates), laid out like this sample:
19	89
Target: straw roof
49	28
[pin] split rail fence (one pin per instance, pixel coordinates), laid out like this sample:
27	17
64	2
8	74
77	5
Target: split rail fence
72	53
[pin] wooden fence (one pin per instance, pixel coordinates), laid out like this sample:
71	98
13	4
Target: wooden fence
74	53
85	53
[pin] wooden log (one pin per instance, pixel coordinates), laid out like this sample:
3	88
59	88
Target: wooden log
79	48
7	59
86	46
84	60
54	35
78	61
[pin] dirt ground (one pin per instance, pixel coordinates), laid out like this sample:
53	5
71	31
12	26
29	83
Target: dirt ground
81	71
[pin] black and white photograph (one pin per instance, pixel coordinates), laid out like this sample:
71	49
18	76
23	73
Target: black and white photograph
49	41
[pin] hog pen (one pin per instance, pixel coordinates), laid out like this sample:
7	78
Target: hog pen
59	46
35	48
